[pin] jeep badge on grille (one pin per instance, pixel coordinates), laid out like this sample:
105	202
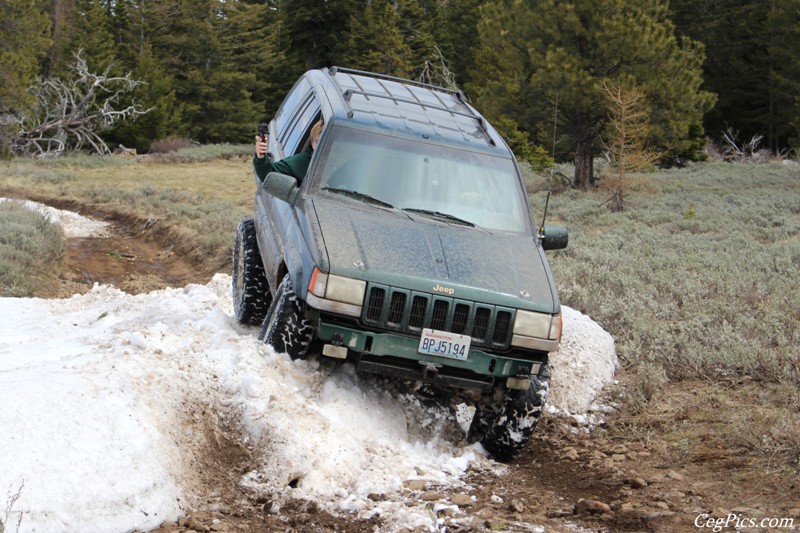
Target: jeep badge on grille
444	290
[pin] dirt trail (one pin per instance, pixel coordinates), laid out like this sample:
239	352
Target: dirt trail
126	260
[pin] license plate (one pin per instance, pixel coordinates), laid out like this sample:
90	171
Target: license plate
444	344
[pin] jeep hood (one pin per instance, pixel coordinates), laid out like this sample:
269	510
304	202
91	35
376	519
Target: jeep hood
419	253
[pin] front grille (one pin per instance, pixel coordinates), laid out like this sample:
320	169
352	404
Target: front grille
394	309
372	311
417	317
460	318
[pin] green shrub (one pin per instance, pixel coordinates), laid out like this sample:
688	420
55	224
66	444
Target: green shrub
29	243
710	294
25	169
83	161
204	153
170	144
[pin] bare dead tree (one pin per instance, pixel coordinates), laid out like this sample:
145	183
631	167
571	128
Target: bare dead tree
735	152
71	114
438	72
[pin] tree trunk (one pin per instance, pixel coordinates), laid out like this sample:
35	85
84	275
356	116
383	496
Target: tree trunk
584	165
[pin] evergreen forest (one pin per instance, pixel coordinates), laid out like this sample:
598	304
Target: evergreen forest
211	70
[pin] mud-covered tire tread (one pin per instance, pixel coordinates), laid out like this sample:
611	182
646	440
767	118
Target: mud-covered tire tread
514	424
284	327
250	289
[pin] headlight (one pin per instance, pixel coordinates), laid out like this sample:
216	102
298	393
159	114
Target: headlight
338	294
345	290
530	324
537	331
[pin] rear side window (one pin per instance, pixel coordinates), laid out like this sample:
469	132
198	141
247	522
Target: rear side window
298	94
298	128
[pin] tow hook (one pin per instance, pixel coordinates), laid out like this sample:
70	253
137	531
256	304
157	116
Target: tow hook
430	368
518	383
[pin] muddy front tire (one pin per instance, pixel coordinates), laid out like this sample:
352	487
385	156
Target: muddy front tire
505	432
251	297
285	328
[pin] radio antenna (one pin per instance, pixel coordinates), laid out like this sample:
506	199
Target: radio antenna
552	170
544	217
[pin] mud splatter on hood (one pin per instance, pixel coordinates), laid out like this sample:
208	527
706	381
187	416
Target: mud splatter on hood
416	252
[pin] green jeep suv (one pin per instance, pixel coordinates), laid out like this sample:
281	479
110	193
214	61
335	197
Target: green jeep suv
408	249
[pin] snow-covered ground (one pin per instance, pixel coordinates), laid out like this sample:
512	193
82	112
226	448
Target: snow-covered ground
108	403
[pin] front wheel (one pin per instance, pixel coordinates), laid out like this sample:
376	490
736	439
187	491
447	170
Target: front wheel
285	328
505	433
249	285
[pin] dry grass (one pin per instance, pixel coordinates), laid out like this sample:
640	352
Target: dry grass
192	206
30	245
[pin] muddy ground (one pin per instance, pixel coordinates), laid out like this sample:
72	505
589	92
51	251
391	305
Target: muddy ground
654	471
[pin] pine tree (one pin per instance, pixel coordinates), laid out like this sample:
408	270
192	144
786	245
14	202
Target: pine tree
156	94
214	92
62	15
128	30
415	23
85	27
93	34
376	42
24	38
254	41
752	53
317	31
784	95
736	65
535	53
457	35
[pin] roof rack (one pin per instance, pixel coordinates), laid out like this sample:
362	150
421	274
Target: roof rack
457	92
348	93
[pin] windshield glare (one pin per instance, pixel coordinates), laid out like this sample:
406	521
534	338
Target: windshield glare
475	187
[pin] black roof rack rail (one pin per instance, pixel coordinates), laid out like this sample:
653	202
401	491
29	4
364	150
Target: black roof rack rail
457	92
348	93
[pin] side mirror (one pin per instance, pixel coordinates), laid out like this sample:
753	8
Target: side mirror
281	186
554	237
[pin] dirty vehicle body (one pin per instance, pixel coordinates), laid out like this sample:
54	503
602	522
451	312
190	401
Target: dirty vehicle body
408	249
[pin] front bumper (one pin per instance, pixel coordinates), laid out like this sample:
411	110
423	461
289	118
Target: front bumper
396	355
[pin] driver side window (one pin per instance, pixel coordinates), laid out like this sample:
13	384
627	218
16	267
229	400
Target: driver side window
299	127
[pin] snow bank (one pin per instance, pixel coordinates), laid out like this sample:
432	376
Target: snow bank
73	224
584	363
107	400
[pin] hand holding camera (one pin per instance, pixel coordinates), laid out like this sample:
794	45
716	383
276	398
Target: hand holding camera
262	140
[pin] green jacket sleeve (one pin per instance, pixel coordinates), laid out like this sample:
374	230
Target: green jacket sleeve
294	165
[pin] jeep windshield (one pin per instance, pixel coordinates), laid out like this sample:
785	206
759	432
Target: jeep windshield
423	178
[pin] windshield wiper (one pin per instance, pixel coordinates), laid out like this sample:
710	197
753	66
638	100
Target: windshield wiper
359	196
439	214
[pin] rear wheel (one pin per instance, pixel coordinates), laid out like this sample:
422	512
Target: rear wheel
506	430
251	297
285	328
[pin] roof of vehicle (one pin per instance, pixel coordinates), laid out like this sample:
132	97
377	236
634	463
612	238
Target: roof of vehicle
400	104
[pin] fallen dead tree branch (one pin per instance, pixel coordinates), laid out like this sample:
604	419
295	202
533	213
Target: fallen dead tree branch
71	114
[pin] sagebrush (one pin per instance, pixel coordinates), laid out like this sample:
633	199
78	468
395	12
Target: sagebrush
710	294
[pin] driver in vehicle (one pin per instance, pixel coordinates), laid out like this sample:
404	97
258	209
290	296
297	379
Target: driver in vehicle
294	165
